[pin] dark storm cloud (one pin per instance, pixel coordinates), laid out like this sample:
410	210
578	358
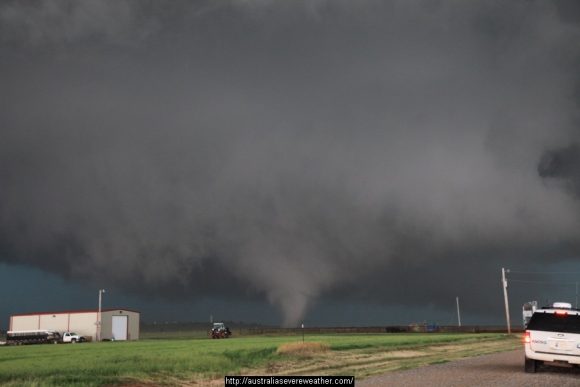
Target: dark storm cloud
286	151
562	164
68	21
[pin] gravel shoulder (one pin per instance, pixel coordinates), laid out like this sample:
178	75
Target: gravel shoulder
498	369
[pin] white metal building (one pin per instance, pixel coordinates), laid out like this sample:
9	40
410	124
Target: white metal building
116	324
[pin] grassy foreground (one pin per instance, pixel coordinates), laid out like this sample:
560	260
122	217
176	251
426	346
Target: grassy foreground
179	361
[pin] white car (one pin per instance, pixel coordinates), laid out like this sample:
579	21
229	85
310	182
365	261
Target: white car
553	335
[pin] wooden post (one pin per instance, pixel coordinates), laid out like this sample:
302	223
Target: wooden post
505	297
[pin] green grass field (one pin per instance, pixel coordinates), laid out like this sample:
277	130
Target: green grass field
159	361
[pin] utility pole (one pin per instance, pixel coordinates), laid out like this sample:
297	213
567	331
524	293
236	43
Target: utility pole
101	291
576	295
505	297
458	314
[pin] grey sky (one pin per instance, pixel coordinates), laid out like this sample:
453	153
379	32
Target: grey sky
382	152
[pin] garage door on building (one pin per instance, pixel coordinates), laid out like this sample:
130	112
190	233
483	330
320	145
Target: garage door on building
120	327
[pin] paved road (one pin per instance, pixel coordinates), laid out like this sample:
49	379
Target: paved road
500	369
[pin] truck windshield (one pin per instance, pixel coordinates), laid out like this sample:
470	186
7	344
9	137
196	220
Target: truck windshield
551	322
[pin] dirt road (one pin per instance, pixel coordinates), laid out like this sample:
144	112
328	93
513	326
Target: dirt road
500	369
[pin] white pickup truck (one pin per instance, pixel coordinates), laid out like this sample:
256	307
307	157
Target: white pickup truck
71	337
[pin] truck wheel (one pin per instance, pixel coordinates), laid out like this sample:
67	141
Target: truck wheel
73	341
531	365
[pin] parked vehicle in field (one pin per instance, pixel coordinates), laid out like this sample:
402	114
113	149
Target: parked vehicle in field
553	335
220	331
71	337
32	337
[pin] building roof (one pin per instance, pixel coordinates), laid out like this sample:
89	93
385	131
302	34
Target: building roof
75	311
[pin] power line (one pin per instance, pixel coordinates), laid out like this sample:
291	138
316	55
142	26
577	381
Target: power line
552	283
542	272
543	282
